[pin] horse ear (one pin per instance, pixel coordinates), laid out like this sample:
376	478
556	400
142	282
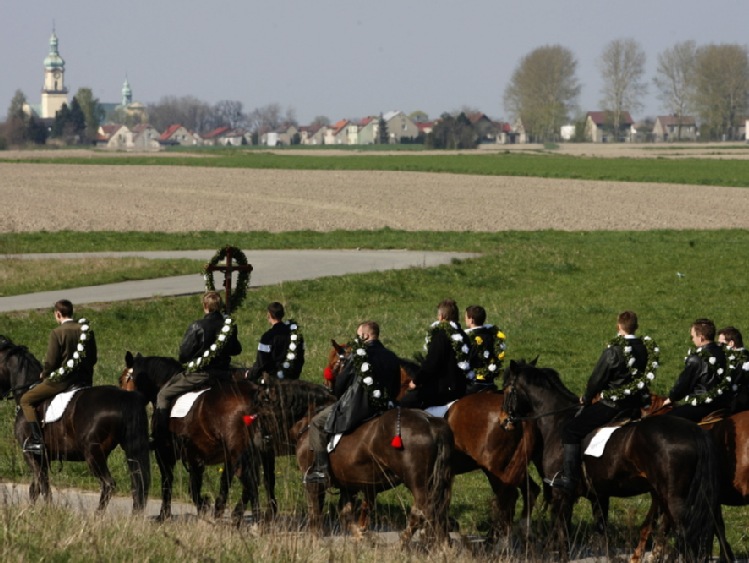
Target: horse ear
534	361
129	359
338	348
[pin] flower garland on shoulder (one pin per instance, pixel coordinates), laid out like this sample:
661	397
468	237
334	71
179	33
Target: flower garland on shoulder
491	359
737	361
377	395
243	279
296	340
723	385
214	349
458	342
72	364
640	380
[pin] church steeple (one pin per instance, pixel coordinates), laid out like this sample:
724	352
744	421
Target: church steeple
127	94
54	93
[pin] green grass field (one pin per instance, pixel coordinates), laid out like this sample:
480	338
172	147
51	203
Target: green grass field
556	294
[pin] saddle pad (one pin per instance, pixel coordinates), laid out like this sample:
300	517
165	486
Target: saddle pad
184	403
599	440
439	411
57	406
334	442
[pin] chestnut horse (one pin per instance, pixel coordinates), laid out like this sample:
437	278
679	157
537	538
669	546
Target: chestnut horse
217	430
670	458
481	442
95	422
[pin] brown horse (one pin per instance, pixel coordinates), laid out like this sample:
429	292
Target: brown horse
365	461
217	430
96	421
481	442
667	457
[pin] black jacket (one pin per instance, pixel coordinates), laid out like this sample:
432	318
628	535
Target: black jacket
439	378
612	371
272	350
697	378
199	337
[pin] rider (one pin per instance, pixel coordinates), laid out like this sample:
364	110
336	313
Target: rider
276	345
625	359
361	392
442	376
200	336
702	382
737	360
487	349
70	359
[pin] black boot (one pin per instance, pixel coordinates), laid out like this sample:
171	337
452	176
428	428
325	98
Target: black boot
159	427
567	480
34	444
318	472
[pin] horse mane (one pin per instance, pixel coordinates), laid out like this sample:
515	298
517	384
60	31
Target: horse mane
296	395
545	378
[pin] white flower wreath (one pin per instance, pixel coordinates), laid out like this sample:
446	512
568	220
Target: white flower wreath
723	385
458	342
296	342
81	348
640	380
214	349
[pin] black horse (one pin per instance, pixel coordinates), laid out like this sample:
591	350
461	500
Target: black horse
670	458
219	429
96	421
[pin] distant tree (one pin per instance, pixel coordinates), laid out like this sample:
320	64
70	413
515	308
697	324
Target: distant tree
62	117
320	121
543	91
187	111
36	131
383	135
418	116
16	120
452	133
721	89
93	113
229	113
675	80
77	121
270	118
622	67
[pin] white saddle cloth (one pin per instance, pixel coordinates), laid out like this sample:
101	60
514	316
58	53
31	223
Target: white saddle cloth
599	440
57	407
184	403
439	411
334	442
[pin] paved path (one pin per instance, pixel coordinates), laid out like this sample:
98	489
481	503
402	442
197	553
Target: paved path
270	267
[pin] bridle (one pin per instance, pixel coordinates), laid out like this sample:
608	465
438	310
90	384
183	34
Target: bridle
512	417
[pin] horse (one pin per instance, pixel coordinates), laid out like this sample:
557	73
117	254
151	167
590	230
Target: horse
218	429
670	458
95	422
365	460
481	442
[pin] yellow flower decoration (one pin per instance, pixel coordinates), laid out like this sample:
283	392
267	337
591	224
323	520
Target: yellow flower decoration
501	335
479	340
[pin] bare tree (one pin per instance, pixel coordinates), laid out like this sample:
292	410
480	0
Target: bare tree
269	118
674	80
543	91
229	113
186	111
721	88
622	67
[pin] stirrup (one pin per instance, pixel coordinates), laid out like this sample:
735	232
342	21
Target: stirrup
561	481
32	447
315	475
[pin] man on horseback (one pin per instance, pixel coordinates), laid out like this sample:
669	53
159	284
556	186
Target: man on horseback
70	359
443	375
487	349
280	352
625	358
211	338
702	383
367	384
737	361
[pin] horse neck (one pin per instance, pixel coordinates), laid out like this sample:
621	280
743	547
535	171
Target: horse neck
551	409
23	370
158	370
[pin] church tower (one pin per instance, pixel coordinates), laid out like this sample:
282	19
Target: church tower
54	93
127	94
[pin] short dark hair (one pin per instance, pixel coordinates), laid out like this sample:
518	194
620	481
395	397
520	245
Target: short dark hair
477	313
372	327
704	328
65	308
628	321
212	301
732	334
448	309
276	311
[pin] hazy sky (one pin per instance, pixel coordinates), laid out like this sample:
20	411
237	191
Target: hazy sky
339	58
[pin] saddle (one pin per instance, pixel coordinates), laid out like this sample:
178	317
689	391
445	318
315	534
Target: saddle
184	403
51	410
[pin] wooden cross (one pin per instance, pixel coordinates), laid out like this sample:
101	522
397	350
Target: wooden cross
228	269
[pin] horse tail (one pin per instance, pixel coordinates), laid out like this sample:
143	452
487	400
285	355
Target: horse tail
699	518
135	444
440	480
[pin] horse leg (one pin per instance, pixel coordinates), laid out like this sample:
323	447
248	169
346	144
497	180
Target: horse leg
346	509
315	500
645	531
367	505
97	463
503	508
530	491
248	478
225	484
196	471
726	553
268	459
166	462
39	478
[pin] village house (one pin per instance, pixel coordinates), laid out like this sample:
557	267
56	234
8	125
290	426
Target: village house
674	128
599	127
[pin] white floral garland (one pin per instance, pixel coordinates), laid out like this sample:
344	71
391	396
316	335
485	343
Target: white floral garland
72	364
456	340
214	349
639	380
378	398
494	357
737	361
719	388
295	341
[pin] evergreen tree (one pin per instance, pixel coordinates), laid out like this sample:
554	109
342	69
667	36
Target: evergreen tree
383	137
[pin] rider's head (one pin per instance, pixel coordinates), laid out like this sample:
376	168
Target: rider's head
475	315
368	330
64	309
447	310
731	336
211	301
627	322
703	330
276	311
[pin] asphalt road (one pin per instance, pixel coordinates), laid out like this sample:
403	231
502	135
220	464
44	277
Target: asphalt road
269	267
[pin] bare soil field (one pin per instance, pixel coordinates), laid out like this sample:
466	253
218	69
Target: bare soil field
44	197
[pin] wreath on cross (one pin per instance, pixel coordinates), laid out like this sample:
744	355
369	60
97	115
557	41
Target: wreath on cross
243	280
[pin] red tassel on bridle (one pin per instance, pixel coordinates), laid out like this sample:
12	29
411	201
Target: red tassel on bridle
327	373
397	442
248	419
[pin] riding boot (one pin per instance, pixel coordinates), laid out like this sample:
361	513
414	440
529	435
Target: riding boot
567	480
318	472
34	444
160	427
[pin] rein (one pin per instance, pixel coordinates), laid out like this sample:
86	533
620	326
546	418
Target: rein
7	395
513	418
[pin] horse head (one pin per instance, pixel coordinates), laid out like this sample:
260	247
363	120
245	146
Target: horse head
19	369
147	374
336	359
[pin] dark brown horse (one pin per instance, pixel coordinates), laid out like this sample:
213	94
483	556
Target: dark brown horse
671	459
96	421
217	430
481	442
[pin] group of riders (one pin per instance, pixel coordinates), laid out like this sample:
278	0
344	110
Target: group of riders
457	361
